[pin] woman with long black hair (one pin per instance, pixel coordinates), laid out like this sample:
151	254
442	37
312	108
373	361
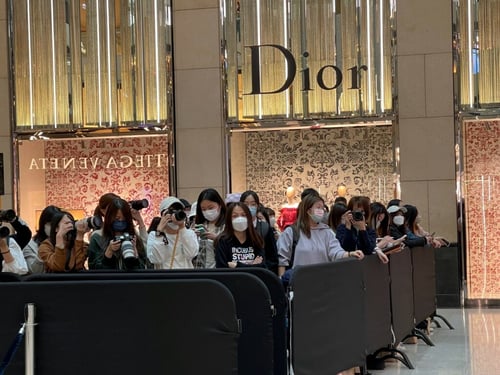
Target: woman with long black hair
64	250
117	245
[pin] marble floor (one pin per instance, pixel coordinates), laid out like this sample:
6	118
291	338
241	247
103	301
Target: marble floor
472	348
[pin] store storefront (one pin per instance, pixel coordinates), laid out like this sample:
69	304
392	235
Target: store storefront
310	98
92	83
477	68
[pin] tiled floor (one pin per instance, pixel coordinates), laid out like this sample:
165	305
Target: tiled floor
472	348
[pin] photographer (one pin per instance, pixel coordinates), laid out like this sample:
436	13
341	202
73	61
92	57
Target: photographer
31	250
172	245
64	250
22	233
354	233
116	245
11	256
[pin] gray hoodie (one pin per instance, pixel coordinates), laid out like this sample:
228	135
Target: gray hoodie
322	247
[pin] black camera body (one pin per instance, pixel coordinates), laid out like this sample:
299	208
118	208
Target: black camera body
139	204
358	215
127	247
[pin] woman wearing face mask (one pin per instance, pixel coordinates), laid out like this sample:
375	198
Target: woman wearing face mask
64	250
30	251
398	227
172	245
208	224
116	245
355	234
316	242
239	245
262	227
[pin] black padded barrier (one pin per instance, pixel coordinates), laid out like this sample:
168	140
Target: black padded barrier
124	326
424	282
377	303
253	307
328	318
401	290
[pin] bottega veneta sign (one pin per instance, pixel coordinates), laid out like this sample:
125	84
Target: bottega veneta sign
113	162
291	71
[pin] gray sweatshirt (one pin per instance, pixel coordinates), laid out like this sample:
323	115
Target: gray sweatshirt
322	247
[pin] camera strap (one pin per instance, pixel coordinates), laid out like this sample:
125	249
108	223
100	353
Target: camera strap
173	250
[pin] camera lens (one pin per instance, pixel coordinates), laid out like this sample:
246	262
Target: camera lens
180	215
94	222
358	215
4	232
139	204
127	249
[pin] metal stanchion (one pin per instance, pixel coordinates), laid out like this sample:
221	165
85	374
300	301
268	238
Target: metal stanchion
30	339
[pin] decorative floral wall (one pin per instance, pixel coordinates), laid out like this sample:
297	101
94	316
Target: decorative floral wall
481	185
361	158
78	171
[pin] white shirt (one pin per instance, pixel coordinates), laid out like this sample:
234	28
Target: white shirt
19	265
160	251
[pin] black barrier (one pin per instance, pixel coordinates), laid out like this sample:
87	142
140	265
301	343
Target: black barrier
424	282
328	318
377	304
125	326
9	277
401	290
253	306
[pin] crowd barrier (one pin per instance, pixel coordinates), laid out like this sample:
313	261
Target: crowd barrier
124	326
221	321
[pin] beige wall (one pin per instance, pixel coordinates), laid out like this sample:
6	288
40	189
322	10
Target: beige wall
426	118
6	201
198	91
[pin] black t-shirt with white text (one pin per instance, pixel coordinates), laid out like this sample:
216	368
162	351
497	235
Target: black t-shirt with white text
232	250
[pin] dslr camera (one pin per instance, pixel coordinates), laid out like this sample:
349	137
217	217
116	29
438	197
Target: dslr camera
139	204
7	215
127	248
358	215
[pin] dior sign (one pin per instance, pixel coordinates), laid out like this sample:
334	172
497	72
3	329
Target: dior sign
113	162
291	71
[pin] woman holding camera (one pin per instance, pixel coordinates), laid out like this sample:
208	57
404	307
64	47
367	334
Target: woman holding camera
172	245
116	245
209	223
354	233
64	249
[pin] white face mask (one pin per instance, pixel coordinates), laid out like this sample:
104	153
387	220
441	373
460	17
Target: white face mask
46	229
173	226
317	215
272	221
211	215
398	220
240	224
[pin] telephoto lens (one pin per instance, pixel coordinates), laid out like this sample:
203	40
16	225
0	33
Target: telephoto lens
94	222
139	204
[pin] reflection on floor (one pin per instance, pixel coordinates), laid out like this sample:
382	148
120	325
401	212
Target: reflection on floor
472	348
